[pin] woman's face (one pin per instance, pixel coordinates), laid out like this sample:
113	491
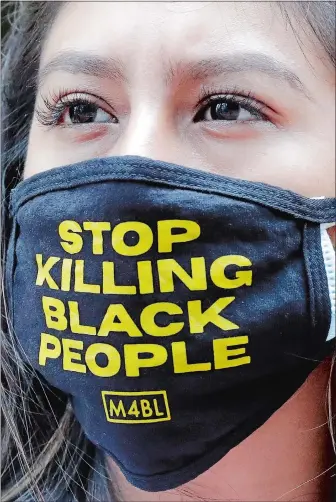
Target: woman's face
222	87
218	86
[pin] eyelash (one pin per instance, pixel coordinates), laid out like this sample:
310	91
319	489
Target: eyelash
56	104
245	99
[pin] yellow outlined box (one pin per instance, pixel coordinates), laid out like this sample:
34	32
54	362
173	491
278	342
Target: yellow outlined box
136	401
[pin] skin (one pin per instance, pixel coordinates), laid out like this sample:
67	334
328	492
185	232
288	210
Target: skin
293	146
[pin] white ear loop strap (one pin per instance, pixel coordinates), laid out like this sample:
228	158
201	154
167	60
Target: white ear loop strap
329	262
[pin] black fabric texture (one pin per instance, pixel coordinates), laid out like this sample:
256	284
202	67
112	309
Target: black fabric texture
167	371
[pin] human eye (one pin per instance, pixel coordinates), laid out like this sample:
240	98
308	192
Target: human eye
74	109
235	106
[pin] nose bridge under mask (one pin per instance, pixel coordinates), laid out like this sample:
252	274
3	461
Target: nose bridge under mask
174	344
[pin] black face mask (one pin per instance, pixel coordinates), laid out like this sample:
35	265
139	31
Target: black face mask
178	309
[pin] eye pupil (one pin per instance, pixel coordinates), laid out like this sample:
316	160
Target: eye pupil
225	110
82	113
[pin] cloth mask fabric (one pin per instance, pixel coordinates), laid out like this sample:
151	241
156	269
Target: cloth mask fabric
179	309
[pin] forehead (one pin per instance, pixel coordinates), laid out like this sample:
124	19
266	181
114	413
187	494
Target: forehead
150	40
160	30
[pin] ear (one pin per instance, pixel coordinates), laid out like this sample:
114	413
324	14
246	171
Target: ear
332	234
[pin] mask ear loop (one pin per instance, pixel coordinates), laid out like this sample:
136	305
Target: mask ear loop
329	257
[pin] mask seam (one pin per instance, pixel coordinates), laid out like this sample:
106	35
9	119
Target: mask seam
10	269
236	190
319	300
307	259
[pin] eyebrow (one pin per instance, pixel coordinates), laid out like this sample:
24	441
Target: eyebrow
239	63
76	62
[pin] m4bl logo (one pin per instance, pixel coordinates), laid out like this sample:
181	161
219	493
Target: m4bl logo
136	407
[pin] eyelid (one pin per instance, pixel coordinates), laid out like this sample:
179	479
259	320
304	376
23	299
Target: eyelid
76	95
255	108
206	91
208	94
265	107
57	102
242	100
63	96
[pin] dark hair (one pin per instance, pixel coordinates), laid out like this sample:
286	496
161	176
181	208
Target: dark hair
44	450
43	446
